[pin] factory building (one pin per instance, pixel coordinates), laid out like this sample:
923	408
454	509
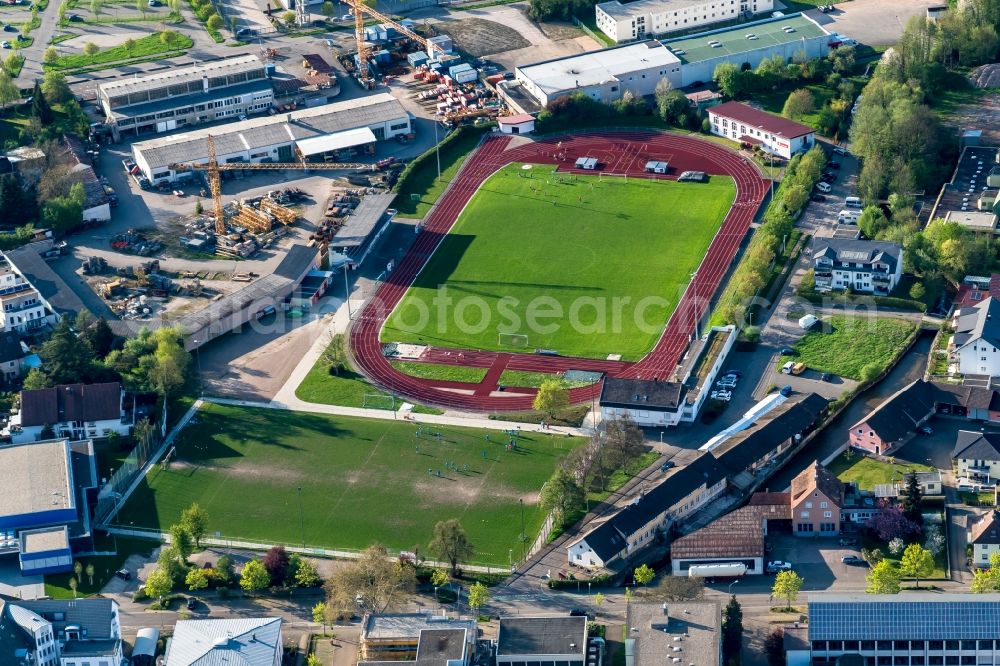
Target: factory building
648	18
178	98
637	67
305	133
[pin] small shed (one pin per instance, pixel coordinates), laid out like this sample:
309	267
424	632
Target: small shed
439	44
416	58
522	123
588	163
655	166
463	73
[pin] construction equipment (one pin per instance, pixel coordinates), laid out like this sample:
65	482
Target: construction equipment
213	168
360	9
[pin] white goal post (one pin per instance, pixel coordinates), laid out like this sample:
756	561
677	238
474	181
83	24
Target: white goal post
512	340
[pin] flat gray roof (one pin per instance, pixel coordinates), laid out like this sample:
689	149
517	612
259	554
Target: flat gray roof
363	220
280	129
697	622
45	540
35	477
733	41
136	110
544	635
243	63
640	7
409	625
597	67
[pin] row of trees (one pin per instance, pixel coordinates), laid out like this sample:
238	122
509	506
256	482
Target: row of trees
754	270
576	109
774	72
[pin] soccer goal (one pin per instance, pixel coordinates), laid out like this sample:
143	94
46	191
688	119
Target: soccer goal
512	340
379	401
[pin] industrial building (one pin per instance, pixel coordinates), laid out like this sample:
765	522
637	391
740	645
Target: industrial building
43	502
554	640
659	630
649	18
911	628
605	75
307	133
177	98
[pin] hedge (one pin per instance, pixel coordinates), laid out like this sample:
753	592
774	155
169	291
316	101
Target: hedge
600	580
403	184
864	299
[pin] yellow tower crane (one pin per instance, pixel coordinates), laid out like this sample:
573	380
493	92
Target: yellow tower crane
360	10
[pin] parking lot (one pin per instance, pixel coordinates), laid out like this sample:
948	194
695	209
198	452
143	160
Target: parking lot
817	560
872	22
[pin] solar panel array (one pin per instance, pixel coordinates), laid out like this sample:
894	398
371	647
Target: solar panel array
854	255
904	620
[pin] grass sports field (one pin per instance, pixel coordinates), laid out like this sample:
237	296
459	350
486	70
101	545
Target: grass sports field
363	481
564	262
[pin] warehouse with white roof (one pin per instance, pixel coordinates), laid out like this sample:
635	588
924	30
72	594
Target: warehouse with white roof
281	138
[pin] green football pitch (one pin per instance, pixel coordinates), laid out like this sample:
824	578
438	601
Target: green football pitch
362	481
584	265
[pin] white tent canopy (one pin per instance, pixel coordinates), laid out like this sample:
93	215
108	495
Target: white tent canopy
338	141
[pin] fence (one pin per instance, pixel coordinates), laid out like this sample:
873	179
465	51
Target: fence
600	39
237	543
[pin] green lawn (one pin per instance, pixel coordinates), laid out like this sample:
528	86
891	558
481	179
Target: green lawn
868	472
844	345
582	265
362	481
144	47
424	183
57	585
451	373
526	379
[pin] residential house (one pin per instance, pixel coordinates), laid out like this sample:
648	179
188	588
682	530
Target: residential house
672	499
975	288
912	628
12	356
976	339
928	482
397	637
556	640
817	498
865	266
242	641
750	126
79	632
738	536
894	420
984	537
976	456
76	411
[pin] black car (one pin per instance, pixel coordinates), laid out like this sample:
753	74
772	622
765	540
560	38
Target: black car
828	177
246	32
76	18
826	377
123	574
788	351
786	390
191	603
817	197
733	373
667	465
9	28
579	612
833	165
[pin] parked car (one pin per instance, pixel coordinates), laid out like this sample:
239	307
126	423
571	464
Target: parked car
667	465
840	151
833	165
824	187
246	32
828	177
853	560
799	368
786	390
817	198
579	612
76	18
9	28
777	565
826	377
786	369
925	430
5	45
191	603
734	372
848	541
155	3
787	351
123	574
724	396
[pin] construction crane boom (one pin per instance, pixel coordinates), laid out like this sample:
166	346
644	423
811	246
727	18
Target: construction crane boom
215	185
360	9
264	166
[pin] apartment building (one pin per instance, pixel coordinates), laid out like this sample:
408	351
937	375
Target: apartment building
749	126
648	18
866	266
176	98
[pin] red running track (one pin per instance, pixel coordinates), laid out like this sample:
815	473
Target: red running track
624	152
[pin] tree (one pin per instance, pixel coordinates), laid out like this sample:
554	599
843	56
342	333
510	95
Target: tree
450	544
799	103
196	579
254	576
90	49
896	546
319	615
195	522
729	79
872	221
335	354
679	588
562	495
786	586
551	397
95	332
917	562
479	596
214	22
732	632
95	7
62	214
306	574
599	599
374	582
51	56
774	647
78	570
327	9
159	583
180	539
40	107
73	584
89	569
168	37
889	522
171	362
936	541
171	562
917	291
440	578
141	6
912	499
224	569
129	45
234	22
276	563
54	87
9	91
288	18
983	580
643	574
883	579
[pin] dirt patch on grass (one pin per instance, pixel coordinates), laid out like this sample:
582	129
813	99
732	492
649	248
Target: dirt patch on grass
479	37
456	488
243	469
560	30
983	113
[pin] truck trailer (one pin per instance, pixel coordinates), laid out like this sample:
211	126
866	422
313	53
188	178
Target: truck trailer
725	570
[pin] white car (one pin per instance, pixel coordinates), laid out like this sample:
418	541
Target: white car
824	187
777	566
726	383
724	396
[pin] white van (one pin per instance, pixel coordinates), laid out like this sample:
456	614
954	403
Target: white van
825	188
848	216
852	202
808	321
